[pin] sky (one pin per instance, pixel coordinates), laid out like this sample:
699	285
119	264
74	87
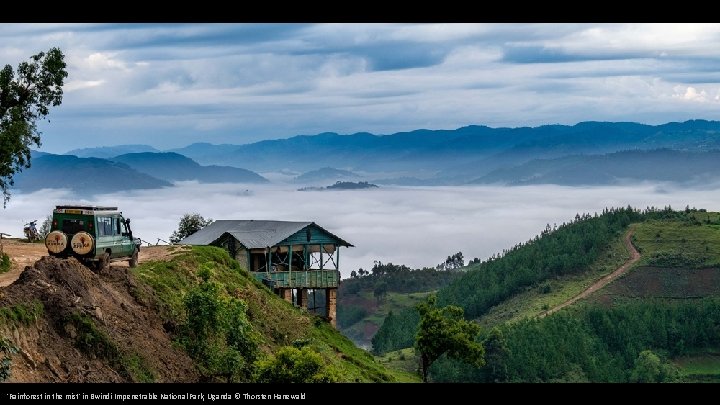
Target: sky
415	226
169	85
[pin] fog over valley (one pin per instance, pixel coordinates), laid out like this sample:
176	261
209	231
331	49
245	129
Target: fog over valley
416	226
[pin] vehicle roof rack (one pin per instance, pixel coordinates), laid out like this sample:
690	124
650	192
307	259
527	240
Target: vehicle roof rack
86	207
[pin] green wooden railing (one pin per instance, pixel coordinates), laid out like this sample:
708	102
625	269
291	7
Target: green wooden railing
299	279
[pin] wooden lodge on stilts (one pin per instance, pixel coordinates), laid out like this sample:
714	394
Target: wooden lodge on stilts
298	260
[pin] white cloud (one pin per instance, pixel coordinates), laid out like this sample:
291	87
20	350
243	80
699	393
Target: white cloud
73	85
102	61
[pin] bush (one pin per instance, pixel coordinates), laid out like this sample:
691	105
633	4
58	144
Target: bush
4	263
292	365
218	334
8	349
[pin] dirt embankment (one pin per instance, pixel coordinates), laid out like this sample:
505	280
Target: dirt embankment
94	327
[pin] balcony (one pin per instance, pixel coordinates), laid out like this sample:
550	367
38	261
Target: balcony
299	279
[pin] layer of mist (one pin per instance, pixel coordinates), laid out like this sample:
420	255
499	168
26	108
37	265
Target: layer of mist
416	226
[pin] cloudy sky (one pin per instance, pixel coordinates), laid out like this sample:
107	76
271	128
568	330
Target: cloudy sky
168	85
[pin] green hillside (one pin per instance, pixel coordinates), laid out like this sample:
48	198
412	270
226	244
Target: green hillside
663	315
274	322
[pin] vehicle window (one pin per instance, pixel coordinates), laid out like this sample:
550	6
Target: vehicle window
71	226
117	226
105	226
123	226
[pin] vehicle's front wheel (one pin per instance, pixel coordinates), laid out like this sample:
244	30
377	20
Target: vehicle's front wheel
134	259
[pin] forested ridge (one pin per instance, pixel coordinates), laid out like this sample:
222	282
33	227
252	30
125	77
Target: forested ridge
622	336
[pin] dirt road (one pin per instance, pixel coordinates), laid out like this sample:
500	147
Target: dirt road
25	254
635	256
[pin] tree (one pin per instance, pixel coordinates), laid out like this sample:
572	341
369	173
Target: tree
189	224
445	331
380	291
649	368
45	227
25	97
496	354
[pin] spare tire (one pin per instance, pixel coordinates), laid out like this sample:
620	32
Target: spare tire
82	243
56	242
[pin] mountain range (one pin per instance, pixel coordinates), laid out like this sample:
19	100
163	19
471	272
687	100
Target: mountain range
589	153
456	155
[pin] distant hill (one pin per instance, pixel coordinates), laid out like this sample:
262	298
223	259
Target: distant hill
175	167
349	185
654	165
342	185
84	176
106	152
324	174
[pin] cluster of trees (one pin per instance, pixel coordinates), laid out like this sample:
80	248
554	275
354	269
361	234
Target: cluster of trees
396	278
453	262
349	185
393	334
625	343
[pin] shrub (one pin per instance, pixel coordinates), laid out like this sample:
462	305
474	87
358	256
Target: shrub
291	365
8	349
4	263
218	334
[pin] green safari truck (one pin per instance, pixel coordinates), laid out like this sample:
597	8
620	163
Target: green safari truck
94	235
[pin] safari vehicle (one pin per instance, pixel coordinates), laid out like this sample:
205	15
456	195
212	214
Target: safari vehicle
93	235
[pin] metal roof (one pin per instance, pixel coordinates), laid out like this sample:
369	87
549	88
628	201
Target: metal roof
86	207
251	233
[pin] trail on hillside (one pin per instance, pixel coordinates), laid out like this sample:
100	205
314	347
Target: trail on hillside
635	256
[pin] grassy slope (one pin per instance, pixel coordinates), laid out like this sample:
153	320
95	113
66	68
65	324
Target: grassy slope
277	321
536	300
695	244
703	366
404	361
